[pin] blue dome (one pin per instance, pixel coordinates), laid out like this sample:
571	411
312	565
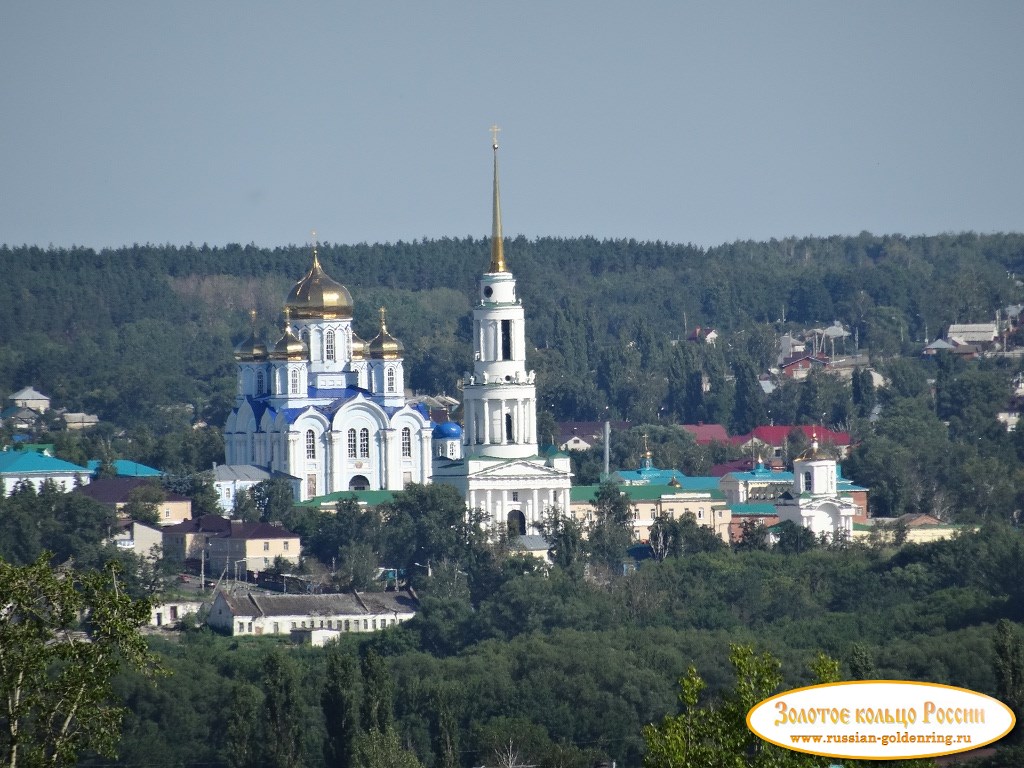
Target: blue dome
450	430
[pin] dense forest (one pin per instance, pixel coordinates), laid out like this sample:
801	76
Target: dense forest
566	668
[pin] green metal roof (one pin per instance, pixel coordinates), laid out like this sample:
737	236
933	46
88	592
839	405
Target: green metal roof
369	498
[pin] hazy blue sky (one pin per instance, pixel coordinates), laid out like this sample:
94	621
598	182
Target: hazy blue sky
133	121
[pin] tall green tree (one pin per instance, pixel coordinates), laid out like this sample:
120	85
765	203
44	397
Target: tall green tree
610	533
340	705
283	721
716	734
57	685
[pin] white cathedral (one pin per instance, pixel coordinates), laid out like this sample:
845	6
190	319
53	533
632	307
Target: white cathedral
329	408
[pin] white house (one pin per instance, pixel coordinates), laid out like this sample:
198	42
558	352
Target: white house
229	479
252	613
36	468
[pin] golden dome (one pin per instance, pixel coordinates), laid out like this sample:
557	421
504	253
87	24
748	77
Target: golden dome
318	296
289	346
358	347
385	346
252	348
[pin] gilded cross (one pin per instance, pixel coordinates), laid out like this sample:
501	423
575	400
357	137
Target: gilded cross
495	130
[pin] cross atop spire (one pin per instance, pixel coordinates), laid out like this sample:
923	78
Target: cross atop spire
495	130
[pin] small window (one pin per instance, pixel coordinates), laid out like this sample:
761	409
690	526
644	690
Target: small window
364	443
329	346
366	624
241	626
261	383
266	546
348	625
374	623
406	442
310	444
351	443
807	481
515	495
250	626
286	543
294	382
391	380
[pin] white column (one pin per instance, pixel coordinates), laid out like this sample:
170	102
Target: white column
425	458
487	422
535	513
332	460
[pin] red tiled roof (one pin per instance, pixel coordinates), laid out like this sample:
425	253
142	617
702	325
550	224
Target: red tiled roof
707	433
777	435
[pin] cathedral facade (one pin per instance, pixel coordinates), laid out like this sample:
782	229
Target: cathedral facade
323	405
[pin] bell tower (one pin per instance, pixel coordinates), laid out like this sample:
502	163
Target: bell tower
499	397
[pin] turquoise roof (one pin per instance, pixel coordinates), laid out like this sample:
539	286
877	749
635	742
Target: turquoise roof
125	468
22	462
739	510
762	474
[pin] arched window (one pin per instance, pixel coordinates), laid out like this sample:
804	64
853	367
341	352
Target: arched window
351	443
260	383
329	346
364	443
294	382
391	380
807	481
406	441
310	444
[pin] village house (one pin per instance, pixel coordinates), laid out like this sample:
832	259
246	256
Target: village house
230	546
773	442
252	613
116	492
229	479
138	538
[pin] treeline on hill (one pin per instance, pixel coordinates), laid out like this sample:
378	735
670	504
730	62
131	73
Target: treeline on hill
134	333
143	337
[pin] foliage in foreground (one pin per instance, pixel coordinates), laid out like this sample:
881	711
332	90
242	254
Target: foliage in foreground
63	636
